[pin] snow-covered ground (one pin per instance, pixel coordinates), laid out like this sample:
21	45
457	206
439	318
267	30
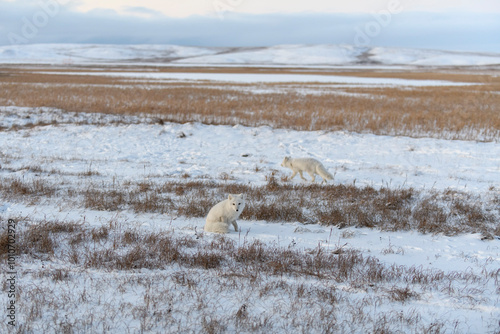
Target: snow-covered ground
209	150
49	142
280	55
80	151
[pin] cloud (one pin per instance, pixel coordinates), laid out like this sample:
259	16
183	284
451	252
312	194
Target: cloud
32	22
142	12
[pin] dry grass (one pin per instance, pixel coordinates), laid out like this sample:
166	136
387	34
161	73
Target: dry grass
401	209
159	281
460	112
30	191
113	278
340	205
4	242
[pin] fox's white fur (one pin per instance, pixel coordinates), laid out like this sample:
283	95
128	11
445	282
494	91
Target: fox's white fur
309	165
224	214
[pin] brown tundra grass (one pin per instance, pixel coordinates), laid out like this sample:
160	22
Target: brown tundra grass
344	206
454	112
67	267
168	278
340	205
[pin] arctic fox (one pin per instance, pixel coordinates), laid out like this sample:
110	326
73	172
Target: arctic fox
309	165
225	213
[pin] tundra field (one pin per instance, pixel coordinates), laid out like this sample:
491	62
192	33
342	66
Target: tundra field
110	170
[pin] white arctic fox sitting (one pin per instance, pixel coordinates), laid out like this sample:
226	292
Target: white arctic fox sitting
309	165
225	213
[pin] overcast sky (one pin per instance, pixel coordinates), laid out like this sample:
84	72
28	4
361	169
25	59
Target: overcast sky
469	25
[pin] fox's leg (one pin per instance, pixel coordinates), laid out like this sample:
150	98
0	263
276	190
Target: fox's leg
323	180
302	176
293	175
313	177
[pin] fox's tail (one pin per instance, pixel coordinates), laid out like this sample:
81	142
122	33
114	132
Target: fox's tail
324	173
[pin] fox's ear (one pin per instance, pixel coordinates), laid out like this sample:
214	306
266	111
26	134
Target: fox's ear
242	195
230	197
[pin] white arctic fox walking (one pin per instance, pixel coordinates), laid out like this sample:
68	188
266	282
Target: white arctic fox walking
309	165
225	213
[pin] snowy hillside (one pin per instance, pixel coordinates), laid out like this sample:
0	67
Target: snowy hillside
280	55
88	53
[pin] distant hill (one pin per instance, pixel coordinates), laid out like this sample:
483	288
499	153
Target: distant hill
279	55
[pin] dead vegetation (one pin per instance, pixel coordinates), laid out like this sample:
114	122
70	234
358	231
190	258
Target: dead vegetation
116	277
454	112
340	205
401	209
